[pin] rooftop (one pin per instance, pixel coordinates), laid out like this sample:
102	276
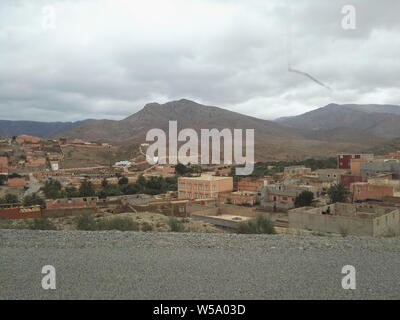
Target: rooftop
205	177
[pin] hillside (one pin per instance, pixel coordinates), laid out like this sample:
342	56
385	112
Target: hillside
10	128
370	120
273	141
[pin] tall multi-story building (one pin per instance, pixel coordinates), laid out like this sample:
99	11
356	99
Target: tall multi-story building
203	187
344	160
4	165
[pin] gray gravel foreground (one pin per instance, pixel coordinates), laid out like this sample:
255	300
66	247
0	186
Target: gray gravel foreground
135	265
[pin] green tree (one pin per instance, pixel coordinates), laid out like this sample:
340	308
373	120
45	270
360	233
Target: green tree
3	179
87	189
123	181
304	199
338	193
132	188
52	189
141	181
111	190
10	198
172	183
71	192
33	200
181	169
104	183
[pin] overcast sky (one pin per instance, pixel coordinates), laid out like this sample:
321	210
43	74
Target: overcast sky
107	58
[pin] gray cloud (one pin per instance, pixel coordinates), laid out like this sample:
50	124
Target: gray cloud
106	59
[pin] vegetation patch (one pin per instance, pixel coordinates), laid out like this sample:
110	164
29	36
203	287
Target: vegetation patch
261	224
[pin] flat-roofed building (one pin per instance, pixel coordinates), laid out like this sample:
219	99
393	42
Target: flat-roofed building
362	191
4	165
250	184
16	182
296	171
203	187
330	175
378	166
343	218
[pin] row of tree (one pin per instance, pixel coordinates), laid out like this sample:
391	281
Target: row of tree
261	168
153	185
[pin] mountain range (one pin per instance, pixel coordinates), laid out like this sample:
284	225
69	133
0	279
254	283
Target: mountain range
371	120
319	133
9	128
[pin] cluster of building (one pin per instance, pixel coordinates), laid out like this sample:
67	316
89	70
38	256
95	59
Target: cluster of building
214	196
25	154
370	179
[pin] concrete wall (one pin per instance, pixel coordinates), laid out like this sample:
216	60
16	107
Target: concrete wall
387	224
225	209
216	221
330	223
21	213
203	211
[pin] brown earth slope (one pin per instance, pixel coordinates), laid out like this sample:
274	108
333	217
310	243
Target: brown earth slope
273	141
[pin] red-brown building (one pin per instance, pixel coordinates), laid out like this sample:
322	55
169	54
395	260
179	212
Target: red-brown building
4	165
362	191
16	182
348	179
344	160
250	184
239	198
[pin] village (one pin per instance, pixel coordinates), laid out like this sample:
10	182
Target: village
42	186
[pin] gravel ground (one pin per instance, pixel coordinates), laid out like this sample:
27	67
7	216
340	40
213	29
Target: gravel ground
134	265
